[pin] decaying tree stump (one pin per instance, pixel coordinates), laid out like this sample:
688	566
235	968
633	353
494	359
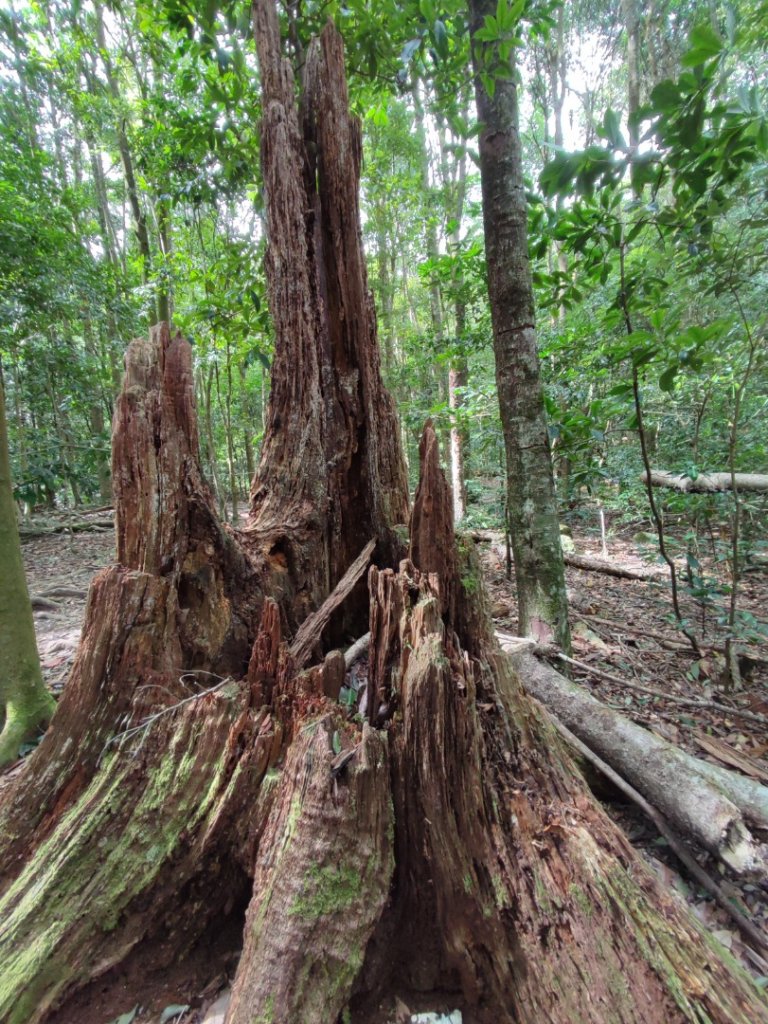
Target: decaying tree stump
198	768
332	474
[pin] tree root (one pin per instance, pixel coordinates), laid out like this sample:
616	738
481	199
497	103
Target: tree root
24	720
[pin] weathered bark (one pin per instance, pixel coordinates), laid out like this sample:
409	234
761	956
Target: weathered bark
509	889
710	807
331	474
706	483
539	574
25	704
184	605
322	880
513	892
183	596
312	627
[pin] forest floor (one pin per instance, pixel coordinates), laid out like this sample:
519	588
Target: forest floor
621	628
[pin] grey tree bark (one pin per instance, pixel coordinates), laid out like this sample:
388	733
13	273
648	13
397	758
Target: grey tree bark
539	572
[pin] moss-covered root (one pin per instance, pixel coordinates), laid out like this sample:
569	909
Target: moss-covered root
322	879
157	815
30	710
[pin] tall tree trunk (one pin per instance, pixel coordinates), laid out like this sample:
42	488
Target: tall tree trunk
631	16
431	242
65	438
164	285
25	703
249	408
123	144
558	84
387	292
225	406
458	370
446	845
20	426
106	226
206	390
539	574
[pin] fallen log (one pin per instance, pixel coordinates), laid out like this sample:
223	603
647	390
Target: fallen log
69	526
591	564
698	802
707	483
587	562
748	929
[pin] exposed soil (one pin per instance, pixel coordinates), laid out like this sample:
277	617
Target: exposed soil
59	571
620	627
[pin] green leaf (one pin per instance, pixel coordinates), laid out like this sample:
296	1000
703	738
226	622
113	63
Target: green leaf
440	36
558	174
640	357
408	51
612	129
667	379
665	96
489	83
488	31
705	44
427	10
703	37
643	170
508	14
336	743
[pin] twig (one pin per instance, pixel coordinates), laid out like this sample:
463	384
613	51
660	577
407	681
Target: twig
636	630
164	711
745	926
689	701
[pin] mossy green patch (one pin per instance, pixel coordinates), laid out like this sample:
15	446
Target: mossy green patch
328	890
268	1014
581	899
107	849
499	890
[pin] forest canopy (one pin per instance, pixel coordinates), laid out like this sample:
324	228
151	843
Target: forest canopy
130	185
